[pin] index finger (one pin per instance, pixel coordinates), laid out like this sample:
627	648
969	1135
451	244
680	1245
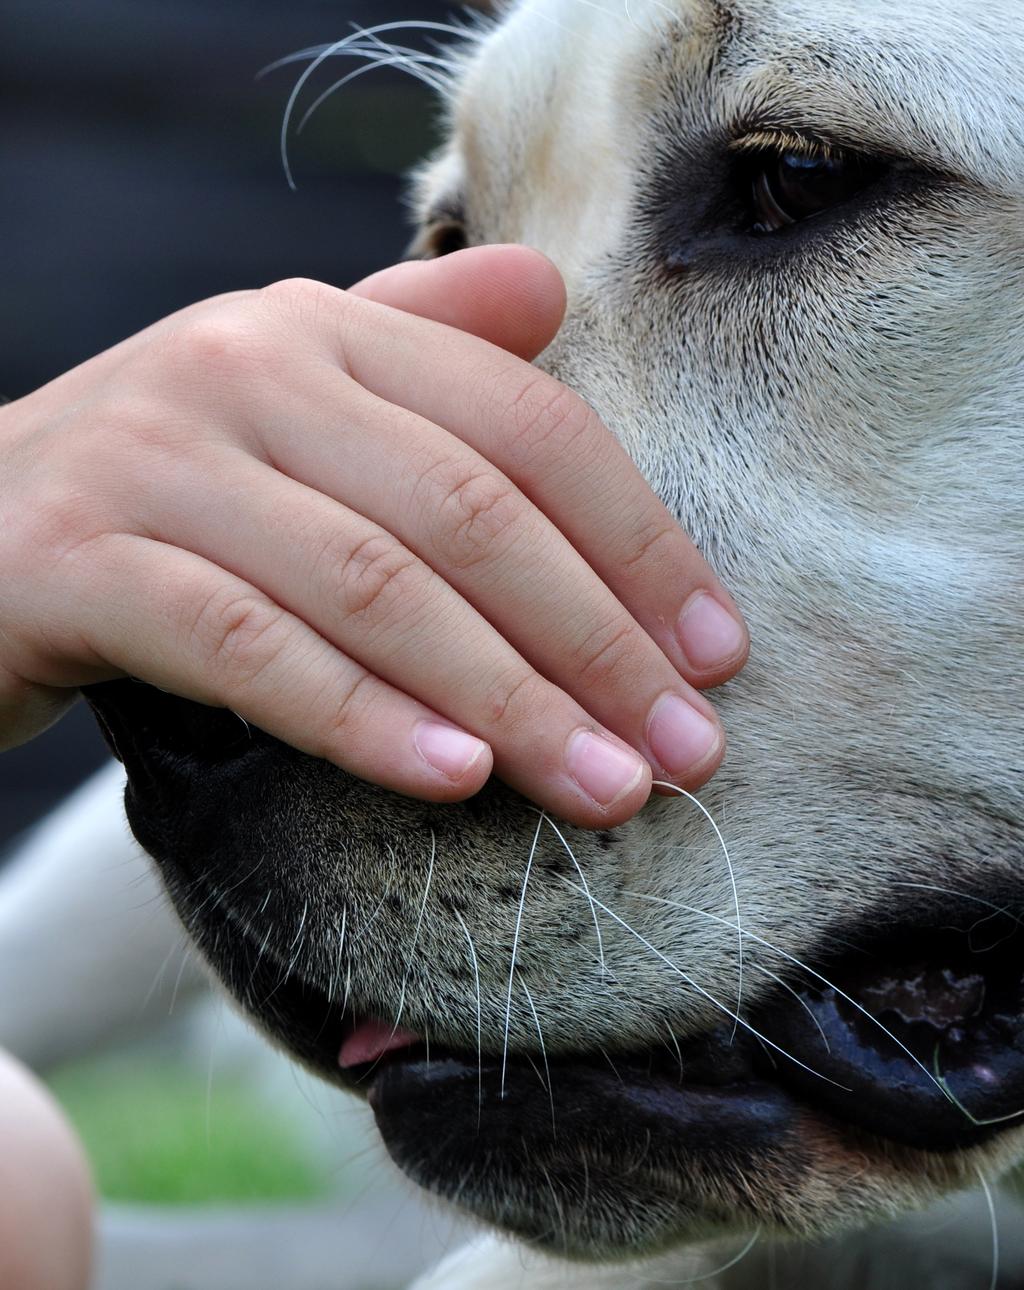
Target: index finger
543	437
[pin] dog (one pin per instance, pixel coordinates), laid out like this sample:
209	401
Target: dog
757	1029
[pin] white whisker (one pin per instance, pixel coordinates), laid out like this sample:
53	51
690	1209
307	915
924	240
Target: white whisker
185	959
716	1003
339	955
562	1235
727	1267
333	51
298	56
995	1227
939	1083
295	949
759	967
543	1055
177	947
735	890
943	1083
515	947
961	895
675	1045
627	10
860	1008
586	888
261	951
479	1020
406	64
363	928
436	59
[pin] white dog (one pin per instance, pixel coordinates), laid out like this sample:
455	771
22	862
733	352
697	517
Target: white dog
793	236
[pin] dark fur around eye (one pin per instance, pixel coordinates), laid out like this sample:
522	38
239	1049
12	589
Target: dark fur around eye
747	202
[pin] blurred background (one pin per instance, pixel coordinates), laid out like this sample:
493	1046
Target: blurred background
140	165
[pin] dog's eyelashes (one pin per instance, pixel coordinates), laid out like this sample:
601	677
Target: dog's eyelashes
790	187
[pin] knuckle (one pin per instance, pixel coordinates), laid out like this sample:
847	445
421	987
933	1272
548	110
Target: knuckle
476	516
371	580
348	716
610	654
516	698
232	633
220	343
648	542
302	300
548	418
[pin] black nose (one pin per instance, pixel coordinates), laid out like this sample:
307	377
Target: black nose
153	732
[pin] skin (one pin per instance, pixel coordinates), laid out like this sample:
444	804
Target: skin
333	513
46	1214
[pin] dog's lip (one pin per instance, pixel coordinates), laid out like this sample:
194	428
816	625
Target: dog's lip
517	1103
939	1067
578	1156
682	1134
918	1050
922	1046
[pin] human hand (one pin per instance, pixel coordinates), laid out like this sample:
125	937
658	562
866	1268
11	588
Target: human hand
357	520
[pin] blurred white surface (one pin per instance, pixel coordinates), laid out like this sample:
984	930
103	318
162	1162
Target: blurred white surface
89	946
376	1244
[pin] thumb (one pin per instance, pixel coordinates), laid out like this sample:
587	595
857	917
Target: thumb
512	296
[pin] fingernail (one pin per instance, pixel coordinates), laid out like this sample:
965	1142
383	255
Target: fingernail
446	749
605	770
680	737
709	634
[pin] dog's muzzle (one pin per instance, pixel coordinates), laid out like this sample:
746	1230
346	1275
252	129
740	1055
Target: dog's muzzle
913	1039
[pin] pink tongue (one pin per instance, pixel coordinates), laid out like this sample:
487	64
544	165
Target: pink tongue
371	1040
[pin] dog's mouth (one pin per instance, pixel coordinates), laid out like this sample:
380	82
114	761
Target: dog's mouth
917	1039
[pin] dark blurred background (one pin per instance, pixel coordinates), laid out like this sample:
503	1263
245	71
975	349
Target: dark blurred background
140	171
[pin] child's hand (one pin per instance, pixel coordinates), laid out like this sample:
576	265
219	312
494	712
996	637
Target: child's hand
388	542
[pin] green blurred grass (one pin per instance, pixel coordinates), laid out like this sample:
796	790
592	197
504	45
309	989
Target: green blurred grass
157	1135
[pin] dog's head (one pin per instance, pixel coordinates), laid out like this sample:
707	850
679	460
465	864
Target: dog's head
793	235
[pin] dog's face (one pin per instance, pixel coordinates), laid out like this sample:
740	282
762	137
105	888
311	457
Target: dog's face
793	235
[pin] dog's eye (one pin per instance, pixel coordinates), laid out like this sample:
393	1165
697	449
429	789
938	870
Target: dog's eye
790	187
441	238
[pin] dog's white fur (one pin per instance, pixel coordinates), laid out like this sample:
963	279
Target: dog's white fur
842	435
